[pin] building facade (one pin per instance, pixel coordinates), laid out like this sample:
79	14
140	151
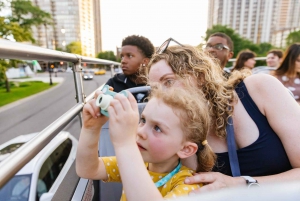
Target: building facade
257	20
73	21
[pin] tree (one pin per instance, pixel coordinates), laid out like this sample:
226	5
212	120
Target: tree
108	55
293	37
18	25
24	16
74	47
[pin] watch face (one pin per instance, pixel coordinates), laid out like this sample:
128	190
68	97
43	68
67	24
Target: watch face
253	185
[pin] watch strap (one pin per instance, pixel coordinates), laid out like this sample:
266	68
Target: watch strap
250	181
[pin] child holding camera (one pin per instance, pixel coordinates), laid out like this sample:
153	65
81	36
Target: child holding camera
173	126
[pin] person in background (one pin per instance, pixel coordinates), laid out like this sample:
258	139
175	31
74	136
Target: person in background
266	127
245	59
173	126
288	72
274	57
220	46
136	52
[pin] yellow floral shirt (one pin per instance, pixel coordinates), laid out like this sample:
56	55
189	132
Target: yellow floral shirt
174	188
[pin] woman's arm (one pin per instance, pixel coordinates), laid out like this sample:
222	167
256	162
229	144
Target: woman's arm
283	114
123	122
88	164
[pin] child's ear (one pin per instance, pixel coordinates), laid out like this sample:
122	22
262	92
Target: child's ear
146	61
189	149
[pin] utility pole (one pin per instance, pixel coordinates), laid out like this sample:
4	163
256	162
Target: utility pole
49	69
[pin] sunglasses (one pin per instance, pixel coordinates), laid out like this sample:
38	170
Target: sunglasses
218	46
166	44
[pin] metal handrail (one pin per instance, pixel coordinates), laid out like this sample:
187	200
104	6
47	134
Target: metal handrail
13	50
255	58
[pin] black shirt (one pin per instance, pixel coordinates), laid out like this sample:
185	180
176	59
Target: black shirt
120	82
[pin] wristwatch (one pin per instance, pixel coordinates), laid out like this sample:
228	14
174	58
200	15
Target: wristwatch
250	181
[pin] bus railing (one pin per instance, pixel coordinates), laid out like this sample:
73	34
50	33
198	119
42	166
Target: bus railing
13	50
256	58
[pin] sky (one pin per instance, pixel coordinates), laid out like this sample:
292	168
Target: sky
158	20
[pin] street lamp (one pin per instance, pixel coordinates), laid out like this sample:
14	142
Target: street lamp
48	48
63	31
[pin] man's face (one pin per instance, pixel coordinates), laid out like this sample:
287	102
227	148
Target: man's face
272	60
222	55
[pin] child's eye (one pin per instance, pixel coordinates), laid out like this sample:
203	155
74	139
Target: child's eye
130	56
142	120
157	129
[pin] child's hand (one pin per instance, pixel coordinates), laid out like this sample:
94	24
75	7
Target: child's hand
92	118
123	119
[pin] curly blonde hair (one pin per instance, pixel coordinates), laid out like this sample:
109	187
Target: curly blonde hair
190	61
191	108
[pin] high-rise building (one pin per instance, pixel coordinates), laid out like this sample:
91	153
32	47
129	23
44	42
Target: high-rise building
288	21
73	21
258	20
97	28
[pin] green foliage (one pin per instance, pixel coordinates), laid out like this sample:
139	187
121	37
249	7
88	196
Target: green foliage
19	25
3	66
23	17
108	55
21	90
240	43
74	47
293	37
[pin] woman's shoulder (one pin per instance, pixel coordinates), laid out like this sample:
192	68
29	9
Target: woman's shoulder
264	89
261	81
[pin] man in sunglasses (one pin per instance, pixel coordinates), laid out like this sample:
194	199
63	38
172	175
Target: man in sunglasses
220	46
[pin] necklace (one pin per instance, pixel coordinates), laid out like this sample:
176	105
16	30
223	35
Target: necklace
166	178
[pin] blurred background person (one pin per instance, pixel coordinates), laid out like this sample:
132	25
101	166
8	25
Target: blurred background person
288	73
220	46
245	59
274	58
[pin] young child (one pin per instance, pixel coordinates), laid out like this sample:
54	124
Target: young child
173	126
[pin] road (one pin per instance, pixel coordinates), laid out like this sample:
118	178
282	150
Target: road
37	113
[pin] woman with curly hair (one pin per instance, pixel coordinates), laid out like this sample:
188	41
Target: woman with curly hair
262	142
288	73
245	59
135	54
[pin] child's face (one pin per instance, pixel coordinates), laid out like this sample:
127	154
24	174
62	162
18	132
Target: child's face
159	135
131	59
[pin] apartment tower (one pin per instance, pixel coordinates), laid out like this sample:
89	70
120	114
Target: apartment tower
257	20
73	21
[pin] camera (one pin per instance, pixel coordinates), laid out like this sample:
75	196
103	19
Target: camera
103	100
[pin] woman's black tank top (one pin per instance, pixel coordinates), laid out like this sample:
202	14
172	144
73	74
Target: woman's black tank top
266	156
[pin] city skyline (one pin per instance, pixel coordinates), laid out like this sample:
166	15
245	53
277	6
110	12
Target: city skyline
77	23
189	27
259	21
